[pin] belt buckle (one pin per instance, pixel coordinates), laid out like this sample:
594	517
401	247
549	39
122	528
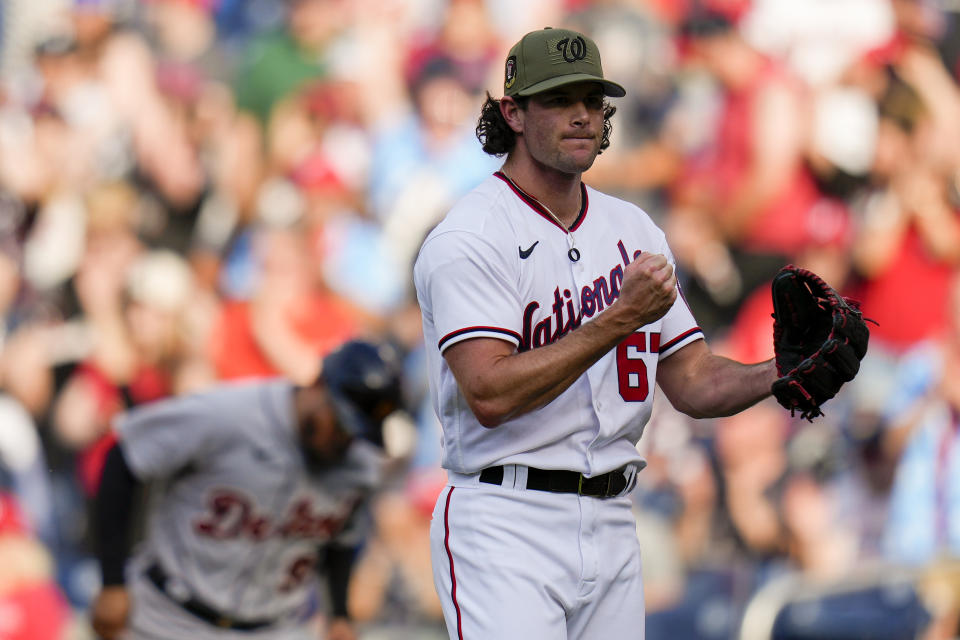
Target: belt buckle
604	493
224	623
598	492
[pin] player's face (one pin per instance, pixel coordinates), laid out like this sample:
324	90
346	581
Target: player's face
324	442
562	128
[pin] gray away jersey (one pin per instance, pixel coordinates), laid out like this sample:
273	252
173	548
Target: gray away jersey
240	519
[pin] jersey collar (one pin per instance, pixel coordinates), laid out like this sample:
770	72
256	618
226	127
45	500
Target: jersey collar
534	204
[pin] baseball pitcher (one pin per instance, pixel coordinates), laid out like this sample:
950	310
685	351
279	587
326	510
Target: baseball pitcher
550	313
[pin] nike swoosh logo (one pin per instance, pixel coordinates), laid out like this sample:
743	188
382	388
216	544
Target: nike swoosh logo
525	253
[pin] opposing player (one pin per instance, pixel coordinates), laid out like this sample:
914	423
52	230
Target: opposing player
263	482
550	312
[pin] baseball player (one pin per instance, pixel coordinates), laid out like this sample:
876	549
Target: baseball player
550	312
262	482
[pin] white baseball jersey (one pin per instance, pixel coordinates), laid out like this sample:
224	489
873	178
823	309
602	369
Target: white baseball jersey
499	266
552	565
240	519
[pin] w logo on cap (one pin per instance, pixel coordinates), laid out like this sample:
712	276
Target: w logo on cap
572	50
550	58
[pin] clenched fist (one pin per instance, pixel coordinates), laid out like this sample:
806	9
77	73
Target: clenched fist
648	290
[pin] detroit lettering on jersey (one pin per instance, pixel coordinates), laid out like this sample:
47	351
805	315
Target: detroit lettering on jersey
593	300
231	515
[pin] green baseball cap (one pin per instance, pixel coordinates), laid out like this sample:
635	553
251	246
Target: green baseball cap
552	58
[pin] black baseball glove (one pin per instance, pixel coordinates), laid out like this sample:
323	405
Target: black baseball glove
819	339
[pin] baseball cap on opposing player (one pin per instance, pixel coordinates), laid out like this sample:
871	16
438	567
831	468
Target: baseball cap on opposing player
363	380
552	58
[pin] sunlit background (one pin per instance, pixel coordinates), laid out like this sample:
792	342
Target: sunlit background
194	191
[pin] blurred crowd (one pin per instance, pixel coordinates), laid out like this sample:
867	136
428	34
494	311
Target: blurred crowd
194	191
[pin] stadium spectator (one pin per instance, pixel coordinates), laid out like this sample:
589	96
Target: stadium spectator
924	417
294	154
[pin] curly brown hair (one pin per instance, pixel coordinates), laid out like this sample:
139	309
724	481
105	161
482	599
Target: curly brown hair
498	138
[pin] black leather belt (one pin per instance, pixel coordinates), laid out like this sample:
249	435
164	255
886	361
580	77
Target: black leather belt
606	485
160	579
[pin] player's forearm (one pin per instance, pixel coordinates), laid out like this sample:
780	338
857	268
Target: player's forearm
556	367
338	564
113	516
724	387
522	382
